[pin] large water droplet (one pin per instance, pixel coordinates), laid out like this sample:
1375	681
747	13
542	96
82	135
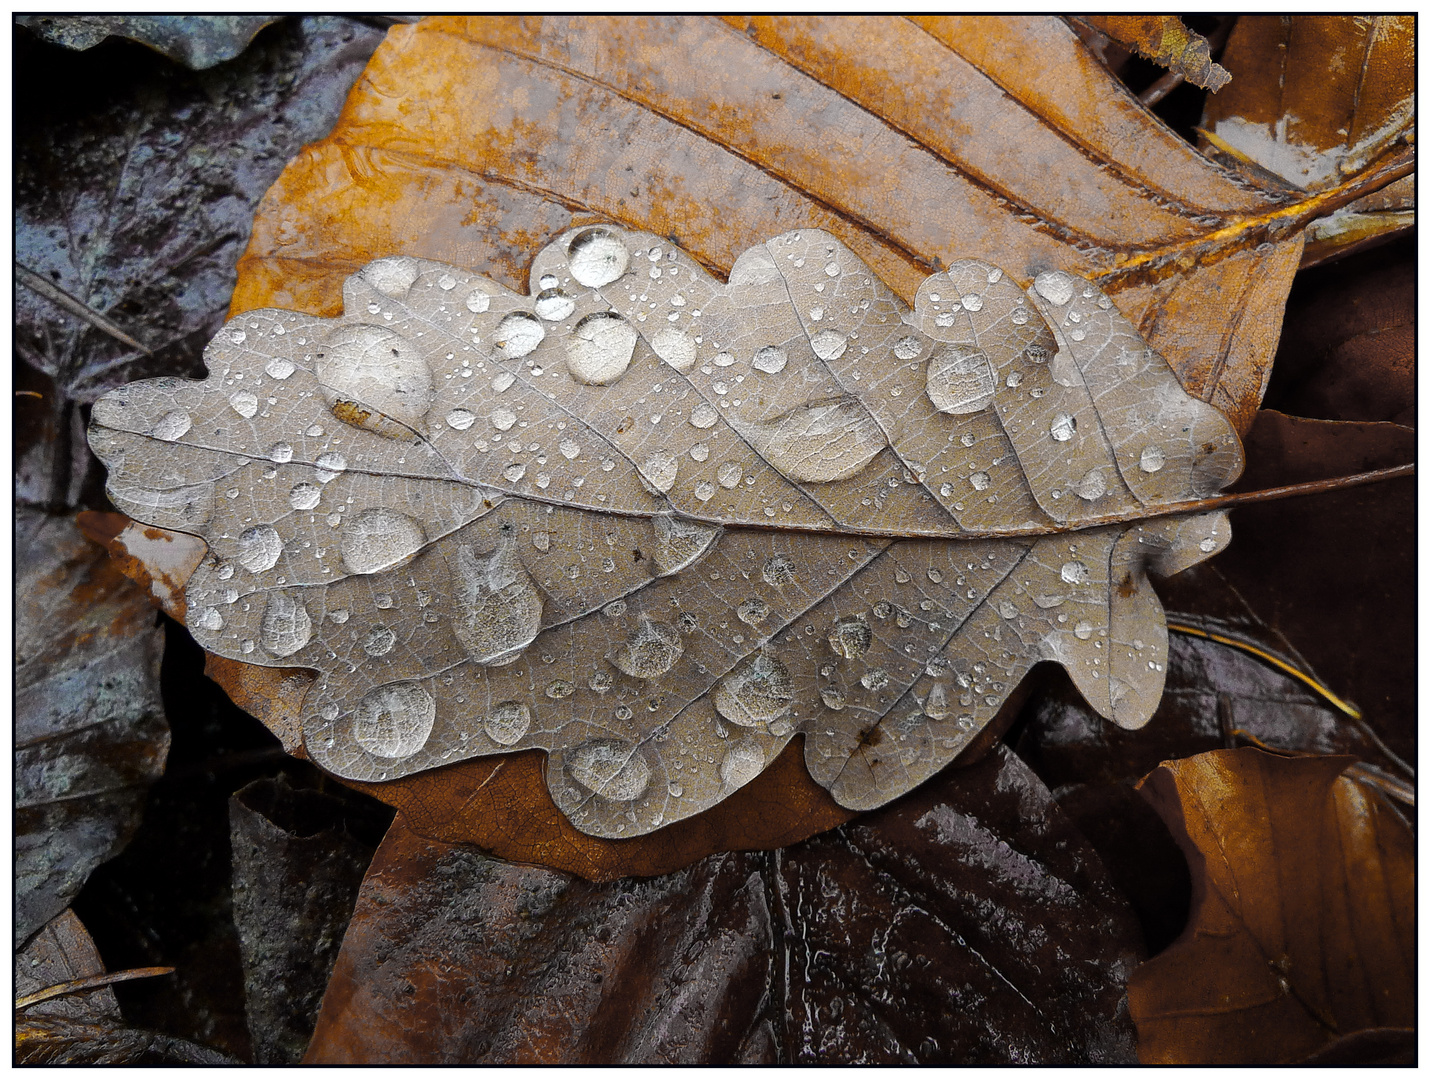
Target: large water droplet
1152	459
245	403
936	705
329	465
305	496
597	258
675	347
829	344
614	770
850	638
286	625
380	539
172	425
1054	286
379	641
778	570
517	334
259	548
820	443
650	652
753	611
1083	630
771	359
507	722
503	418
460	419
497	606
1063	427
679	542
704	415
757	694
660	469
392	276
553	305
973	302
374	378
1075	572
742	763
906	348
729	474
960	380
1093	485
393	721
599	348
280	368
980	481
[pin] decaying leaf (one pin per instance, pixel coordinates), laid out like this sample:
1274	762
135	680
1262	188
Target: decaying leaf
655	525
200	41
1303	920
1166	40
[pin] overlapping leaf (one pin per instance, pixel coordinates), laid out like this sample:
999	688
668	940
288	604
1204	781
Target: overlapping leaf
655	525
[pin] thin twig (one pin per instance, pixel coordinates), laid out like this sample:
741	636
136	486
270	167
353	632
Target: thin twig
90	982
57	296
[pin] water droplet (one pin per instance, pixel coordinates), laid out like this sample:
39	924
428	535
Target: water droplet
541	541
960	380
1007	609
1093	485
1063	427
172	425
883	609
770	359
704	415
503	418
208	619
778	570
850	638
753	611
558	689
756	694
305	496
460	419
478	301
286	625
936	705
906	348
503	381
507	722
675	347
597	258
393	721
742	763
517	334
973	302
660	470
379	539
699	452
498	608
679	543
875	679
650	652
1152	459
339	615
379	641
980	481
827	345
245	403
259	548
833	697
820	443
513	473
279	368
675	789
1075	572
599	348
1054	286
615	770
331	464
553	305
1209	544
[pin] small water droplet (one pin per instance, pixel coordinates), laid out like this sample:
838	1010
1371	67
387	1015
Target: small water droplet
379	641
832	697
1083	630
513	473
729	474
770	359
906	348
757	694
827	345
778	570
305	496
937	705
330	464
1063	427
541	541
597	258
286	626
675	347
558	689
875	679
1209	544
704	490
753	611
503	381
1007	609
973	302
460	419
1054	286
1075	572
612	769
704	415
478	302
1152	459
980	481
379	539
553	305
1092	486
850	638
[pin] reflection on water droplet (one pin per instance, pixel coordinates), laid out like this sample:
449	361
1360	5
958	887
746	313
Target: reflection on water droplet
757	694
259	548
245	403
832	697
507	722
973	302
1209	544
513	473
208	619
650	652
517	334
305	496
1083	630
172	425
704	415
393	721
827	345
558	689
1054	286
960	380
379	539
753	611
460	419
778	570
875	679
936	705
1093	485
1152	459
286	625
612	769
980	481
850	638
729	474
704	490
553	305
597	258
599	348
497	606
742	763
379	641
660	470
675	347
770	359
1075	572
906	348
1063	427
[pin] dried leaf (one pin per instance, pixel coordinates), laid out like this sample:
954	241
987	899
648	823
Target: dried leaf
1303	921
90	734
967	923
200	41
438	500
1165	40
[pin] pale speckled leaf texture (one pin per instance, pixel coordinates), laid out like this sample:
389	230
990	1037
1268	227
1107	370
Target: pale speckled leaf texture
656	524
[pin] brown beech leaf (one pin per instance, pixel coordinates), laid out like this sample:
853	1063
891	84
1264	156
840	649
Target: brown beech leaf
968	923
1303	917
658	542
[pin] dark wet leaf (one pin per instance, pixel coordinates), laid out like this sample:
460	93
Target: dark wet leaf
1303	917
200	41
90	734
966	922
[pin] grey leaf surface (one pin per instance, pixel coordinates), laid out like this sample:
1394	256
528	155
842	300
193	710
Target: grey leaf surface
656	524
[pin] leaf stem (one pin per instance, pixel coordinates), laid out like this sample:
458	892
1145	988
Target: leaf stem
91	982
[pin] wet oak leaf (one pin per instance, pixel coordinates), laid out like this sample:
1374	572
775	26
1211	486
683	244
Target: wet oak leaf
656	525
1303	922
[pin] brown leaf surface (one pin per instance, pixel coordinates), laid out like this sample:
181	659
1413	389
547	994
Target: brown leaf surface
1166	40
1303	918
967	923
